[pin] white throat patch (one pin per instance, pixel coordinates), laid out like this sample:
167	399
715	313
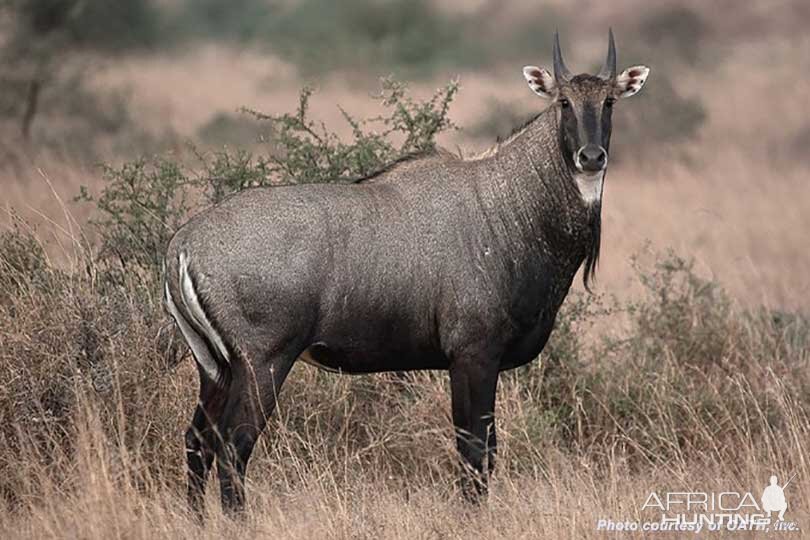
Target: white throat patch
590	186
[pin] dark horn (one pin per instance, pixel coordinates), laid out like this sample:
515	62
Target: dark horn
561	72
608	71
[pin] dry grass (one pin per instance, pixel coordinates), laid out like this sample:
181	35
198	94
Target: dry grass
564	500
699	394
700	397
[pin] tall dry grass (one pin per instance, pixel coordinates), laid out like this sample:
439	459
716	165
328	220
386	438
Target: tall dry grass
696	393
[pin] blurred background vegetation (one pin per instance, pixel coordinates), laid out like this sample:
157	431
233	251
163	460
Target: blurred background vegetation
53	51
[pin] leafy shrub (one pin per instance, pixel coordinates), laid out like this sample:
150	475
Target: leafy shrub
143	203
308	152
227	172
138	211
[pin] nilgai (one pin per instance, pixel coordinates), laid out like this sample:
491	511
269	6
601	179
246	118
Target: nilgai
435	263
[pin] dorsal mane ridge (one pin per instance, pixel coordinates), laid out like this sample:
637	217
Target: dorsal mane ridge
410	157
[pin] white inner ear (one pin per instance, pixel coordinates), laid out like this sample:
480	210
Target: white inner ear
540	81
631	80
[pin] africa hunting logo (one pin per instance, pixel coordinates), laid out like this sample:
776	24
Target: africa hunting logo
698	511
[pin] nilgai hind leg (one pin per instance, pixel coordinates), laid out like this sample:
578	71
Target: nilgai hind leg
201	438
251	400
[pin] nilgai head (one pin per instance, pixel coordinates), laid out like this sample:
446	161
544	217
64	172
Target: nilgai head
585	105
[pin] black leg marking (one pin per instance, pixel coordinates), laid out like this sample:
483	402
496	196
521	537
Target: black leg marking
202	439
245	416
473	386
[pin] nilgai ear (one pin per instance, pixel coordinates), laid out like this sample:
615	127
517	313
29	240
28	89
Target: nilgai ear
631	80
540	81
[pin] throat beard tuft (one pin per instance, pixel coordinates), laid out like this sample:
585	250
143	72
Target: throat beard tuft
594	243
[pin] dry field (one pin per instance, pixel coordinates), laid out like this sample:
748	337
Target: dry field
692	395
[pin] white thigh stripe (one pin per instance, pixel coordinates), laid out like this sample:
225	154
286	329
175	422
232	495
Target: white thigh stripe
192	303
198	346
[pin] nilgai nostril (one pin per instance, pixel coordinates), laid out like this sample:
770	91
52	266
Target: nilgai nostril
592	157
459	265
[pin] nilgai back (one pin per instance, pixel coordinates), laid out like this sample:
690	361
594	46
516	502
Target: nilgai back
436	262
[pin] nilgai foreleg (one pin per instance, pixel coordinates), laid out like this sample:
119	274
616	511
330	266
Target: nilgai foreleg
473	384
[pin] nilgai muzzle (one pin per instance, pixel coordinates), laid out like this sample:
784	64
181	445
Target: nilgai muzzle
435	263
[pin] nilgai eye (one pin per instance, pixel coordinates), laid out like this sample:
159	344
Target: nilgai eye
564	103
610	101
